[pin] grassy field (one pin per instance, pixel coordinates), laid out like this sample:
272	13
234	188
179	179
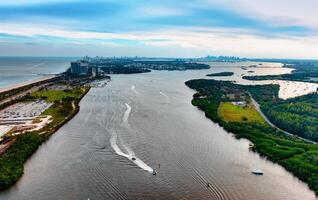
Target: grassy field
233	113
295	155
56	95
58	112
62	106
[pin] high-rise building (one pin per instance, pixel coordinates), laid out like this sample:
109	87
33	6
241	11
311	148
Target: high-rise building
80	67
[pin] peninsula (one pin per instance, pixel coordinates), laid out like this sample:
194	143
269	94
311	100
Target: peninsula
31	112
231	106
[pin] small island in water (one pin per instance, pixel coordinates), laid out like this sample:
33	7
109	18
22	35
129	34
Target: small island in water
221	74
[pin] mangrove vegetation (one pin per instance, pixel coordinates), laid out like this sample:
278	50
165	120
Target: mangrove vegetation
296	155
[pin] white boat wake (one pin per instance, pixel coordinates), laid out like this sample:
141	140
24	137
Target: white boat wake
166	96
130	154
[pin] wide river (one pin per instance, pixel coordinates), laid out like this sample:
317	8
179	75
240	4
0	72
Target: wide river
149	117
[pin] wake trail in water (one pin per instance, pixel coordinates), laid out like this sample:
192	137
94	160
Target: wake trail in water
125	119
166	96
138	162
130	154
113	143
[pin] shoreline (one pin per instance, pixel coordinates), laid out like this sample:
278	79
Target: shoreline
269	142
26	83
27	144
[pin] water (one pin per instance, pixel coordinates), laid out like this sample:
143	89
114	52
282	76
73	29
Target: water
288	89
130	154
150	117
16	70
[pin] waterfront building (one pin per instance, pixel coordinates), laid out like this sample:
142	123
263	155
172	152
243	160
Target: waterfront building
80	67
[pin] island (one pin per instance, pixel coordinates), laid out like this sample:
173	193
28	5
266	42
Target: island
235	108
304	71
221	74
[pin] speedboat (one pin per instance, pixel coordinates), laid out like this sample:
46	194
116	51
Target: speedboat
154	172
257	172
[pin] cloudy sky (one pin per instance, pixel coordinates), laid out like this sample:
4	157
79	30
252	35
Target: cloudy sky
165	28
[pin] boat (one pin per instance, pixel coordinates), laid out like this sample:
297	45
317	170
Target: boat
154	172
258	172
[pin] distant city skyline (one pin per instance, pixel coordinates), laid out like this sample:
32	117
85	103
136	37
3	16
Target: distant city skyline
174	28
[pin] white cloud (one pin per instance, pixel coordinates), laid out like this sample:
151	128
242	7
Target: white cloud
279	12
205	40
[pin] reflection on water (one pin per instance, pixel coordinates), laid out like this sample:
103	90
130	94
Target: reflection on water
91	156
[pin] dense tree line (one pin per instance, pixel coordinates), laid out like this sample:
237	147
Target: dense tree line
12	161
295	155
221	74
298	115
119	69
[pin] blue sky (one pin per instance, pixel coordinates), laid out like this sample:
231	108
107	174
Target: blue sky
166	28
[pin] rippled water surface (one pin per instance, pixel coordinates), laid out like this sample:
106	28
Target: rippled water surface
14	70
149	117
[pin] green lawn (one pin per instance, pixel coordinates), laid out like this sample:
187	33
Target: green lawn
233	113
295	155
58	112
56	95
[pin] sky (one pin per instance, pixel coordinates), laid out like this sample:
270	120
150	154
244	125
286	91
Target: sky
165	28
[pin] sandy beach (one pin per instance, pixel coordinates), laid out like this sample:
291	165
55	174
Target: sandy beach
7	88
